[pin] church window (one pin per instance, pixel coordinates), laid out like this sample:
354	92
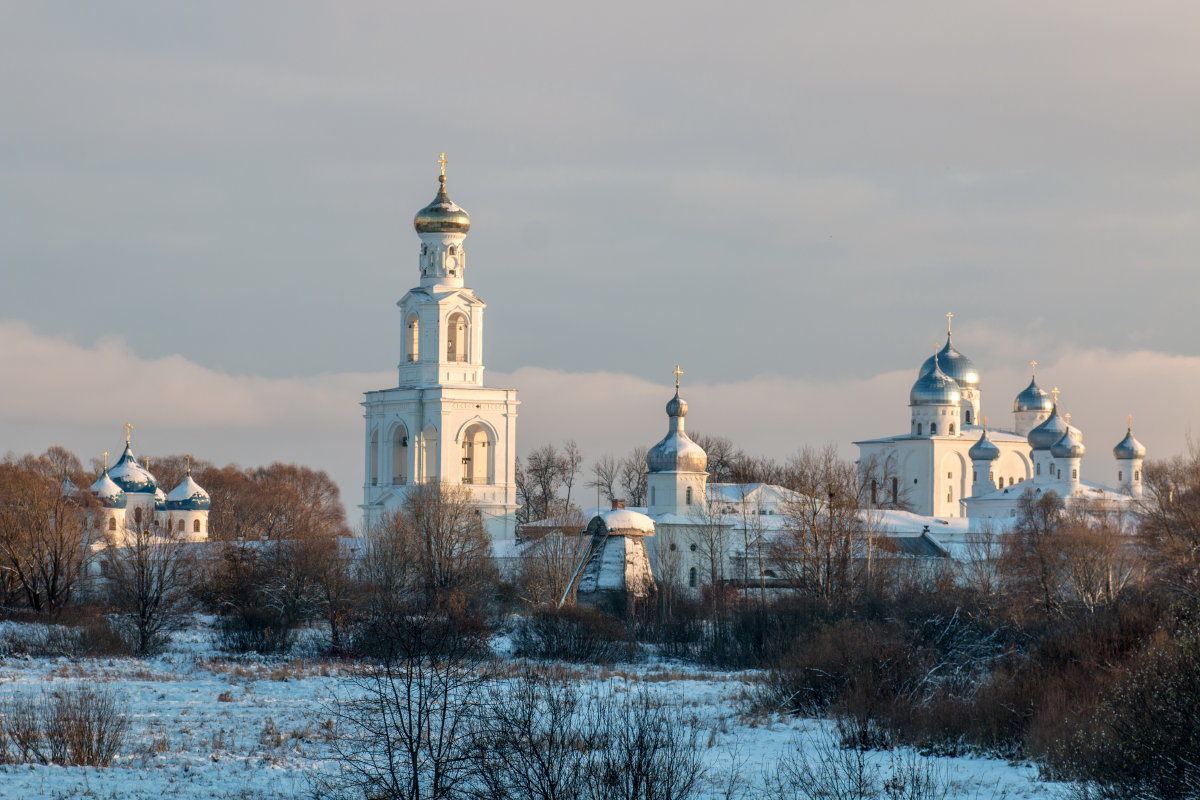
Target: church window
950	495
692	548
968	416
137	516
918	429
895	489
974	476
413	339
112	523
688	496
692	577
951	428
399	456
1039	469
1010	480
1137	476
476	460
874	492
179	527
1074	474
1120	475
949	476
672	547
373	459
430	470
456	338
933	429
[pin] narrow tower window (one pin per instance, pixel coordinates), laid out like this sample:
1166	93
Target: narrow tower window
933	429
456	338
413	338
688	496
195	526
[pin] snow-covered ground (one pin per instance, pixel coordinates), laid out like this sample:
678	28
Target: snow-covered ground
207	726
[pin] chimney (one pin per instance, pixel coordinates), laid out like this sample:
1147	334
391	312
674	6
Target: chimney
618	504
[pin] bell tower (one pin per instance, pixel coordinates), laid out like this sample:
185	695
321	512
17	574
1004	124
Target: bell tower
440	424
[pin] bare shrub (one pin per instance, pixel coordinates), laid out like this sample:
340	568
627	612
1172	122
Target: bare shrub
573	633
75	727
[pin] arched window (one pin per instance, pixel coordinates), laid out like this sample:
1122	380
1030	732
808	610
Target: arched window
456	337
918	429
951	428
400	456
692	548
195	526
112	523
137	516
1039	469
895	489
1120	475
1074	474
1137	476
429	455
933	429
975	476
968	417
692	577
373	459
653	501
180	526
412	338
688	496
950	495
478	466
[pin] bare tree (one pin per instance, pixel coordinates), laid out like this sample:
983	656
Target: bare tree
633	477
45	540
148	582
606	473
549	562
723	456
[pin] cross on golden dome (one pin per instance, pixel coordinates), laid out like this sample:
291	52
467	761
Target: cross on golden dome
442	162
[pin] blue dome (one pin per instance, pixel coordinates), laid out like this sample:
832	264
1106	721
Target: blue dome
1129	447
160	500
1032	398
935	388
188	496
1068	446
108	493
954	364
1050	431
983	450
131	476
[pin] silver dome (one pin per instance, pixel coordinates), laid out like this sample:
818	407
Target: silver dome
1050	431
676	452
935	388
1068	446
1032	398
983	450
1129	447
954	364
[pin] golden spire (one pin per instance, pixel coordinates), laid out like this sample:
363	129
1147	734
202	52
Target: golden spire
1129	421
949	319
128	428
678	372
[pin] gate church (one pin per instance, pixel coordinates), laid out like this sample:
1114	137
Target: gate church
440	424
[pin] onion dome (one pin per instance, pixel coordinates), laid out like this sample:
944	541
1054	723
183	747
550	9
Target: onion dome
935	388
188	496
160	500
676	452
1129	447
108	493
1068	446
983	450
130	475
1050	431
443	215
953	364
1032	398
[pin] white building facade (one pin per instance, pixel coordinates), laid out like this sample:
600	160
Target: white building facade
440	424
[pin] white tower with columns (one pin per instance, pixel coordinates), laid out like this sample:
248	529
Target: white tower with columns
440	424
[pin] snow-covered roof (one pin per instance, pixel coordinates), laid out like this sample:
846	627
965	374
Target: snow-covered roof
626	519
967	431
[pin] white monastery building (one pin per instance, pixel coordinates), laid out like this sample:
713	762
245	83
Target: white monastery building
950	464
440	424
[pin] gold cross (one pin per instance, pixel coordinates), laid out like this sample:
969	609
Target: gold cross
188	461
1034	365
442	162
677	373
949	319
1055	392
106	461
128	428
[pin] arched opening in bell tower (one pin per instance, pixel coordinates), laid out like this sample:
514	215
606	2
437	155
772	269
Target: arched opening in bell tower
400	456
478	466
373	459
456	337
412	338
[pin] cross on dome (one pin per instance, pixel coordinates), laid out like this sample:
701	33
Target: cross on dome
1055	392
442	162
128	428
949	319
1033	364
678	372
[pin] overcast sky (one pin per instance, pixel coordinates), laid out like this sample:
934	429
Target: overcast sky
205	214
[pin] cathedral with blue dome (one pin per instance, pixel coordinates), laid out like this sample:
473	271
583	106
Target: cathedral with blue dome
950	463
130	499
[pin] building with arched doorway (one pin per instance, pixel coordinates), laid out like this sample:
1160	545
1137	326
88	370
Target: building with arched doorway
440	423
